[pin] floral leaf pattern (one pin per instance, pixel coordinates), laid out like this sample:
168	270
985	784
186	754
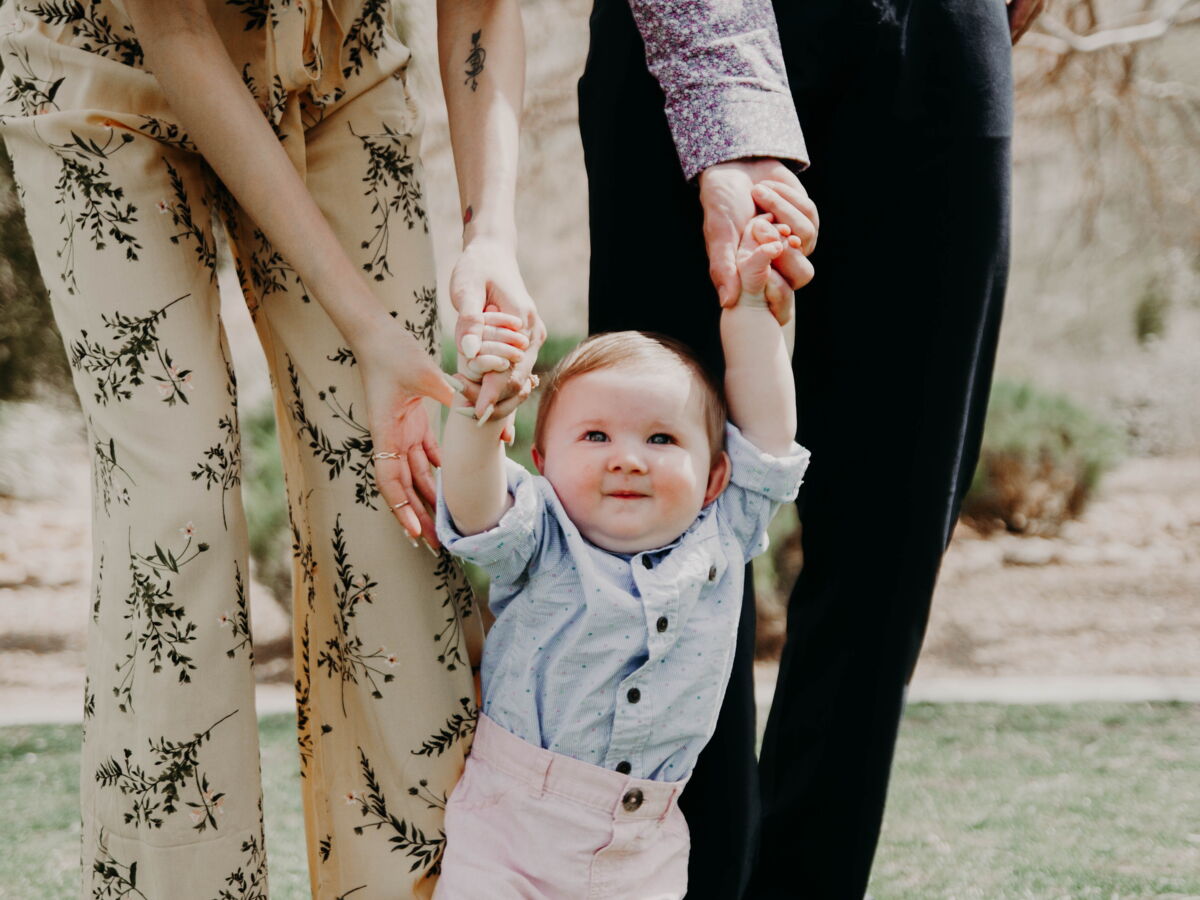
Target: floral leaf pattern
92	204
304	702
345	655
238	621
158	626
364	37
91	29
34	94
222	463
175	775
458	604
426	330
111	480
426	852
111	879
270	273
392	186
181	214
459	726
352	455
118	371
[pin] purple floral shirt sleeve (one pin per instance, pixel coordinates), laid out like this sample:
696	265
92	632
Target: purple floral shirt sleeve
720	65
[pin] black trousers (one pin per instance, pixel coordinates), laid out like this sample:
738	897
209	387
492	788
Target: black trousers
906	107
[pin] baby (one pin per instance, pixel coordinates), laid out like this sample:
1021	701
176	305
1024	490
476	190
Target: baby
616	582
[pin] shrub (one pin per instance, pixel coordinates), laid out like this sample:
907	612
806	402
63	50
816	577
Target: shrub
33	363
1041	460
266	503
1150	314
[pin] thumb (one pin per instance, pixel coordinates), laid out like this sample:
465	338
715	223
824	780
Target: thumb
722	269
468	330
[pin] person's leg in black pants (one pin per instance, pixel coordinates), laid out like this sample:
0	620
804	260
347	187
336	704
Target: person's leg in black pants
895	344
635	185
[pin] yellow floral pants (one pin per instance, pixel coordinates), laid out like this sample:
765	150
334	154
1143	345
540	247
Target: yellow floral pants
122	211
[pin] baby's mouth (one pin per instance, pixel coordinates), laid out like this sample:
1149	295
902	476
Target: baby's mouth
627	495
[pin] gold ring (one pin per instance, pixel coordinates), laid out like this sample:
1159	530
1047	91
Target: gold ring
401	504
387	454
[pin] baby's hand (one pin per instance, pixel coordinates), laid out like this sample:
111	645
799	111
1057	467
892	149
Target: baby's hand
763	241
503	346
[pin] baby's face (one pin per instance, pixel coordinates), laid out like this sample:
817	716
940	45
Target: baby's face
627	453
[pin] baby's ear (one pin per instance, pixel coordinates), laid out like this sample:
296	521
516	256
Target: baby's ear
538	460
718	477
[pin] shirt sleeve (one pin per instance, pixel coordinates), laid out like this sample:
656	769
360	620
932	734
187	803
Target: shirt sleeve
720	65
758	486
506	549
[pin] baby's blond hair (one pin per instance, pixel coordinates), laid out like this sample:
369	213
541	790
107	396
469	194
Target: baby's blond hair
615	349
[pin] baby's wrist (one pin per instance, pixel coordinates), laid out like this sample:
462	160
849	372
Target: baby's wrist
753	300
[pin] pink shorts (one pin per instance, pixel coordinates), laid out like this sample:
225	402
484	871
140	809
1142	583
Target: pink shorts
525	823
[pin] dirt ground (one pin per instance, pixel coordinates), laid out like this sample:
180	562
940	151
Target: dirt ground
1117	594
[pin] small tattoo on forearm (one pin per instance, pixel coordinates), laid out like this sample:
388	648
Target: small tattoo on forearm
467	216
475	61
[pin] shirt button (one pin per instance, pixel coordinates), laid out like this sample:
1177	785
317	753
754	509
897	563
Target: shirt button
646	562
632	800
634	695
712	573
624	767
661	624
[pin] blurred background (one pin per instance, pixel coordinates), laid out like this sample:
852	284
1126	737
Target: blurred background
1074	576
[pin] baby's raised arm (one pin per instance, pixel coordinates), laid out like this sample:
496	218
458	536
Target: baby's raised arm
474	484
759	387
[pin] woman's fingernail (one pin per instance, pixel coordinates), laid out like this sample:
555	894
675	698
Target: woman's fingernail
429	547
412	540
470	345
467	411
485	415
455	384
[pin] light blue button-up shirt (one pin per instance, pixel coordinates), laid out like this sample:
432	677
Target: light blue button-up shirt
610	658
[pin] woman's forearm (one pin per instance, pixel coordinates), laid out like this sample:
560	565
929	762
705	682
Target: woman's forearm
481	47
184	51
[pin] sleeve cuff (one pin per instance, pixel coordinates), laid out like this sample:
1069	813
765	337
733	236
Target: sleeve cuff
505	549
778	478
711	129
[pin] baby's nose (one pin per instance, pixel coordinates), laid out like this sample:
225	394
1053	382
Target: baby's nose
626	460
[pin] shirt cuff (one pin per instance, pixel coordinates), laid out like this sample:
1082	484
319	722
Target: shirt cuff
778	478
713	128
504	550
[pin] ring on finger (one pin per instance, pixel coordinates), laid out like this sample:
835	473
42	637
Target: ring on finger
401	504
387	454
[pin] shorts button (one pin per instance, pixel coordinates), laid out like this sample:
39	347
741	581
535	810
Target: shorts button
624	767
632	800
661	624
712	573
634	695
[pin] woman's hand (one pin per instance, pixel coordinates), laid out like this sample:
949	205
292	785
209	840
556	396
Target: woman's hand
487	275
396	375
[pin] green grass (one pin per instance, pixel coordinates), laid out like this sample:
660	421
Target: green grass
1094	800
987	801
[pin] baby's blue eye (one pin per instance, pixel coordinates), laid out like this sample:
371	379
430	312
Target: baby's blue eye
595	436
661	438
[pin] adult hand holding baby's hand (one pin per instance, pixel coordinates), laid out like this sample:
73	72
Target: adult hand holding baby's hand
763	242
731	193
487	273
503	349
